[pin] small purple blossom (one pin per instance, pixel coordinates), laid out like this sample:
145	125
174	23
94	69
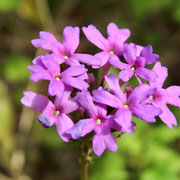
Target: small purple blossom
127	106
137	58
66	50
99	122
162	96
47	68
112	47
52	114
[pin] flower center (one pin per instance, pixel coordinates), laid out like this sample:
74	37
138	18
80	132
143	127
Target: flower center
111	52
126	106
133	68
152	97
56	112
65	56
57	77
98	121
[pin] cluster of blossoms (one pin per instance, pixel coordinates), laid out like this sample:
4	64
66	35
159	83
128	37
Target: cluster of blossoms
101	110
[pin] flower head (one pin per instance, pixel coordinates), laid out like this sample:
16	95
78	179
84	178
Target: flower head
66	75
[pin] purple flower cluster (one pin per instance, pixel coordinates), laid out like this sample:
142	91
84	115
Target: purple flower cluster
102	111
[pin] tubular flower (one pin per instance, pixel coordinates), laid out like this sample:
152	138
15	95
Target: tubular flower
48	69
66	50
112	47
52	113
162	96
98	122
127	106
137	58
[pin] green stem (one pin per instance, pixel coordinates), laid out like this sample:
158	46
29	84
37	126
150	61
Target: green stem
84	162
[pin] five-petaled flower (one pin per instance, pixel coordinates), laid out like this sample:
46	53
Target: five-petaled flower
47	68
112	47
66	50
136	57
99	122
127	105
52	113
162	96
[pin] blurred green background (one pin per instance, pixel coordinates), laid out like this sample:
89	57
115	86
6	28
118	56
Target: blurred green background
28	151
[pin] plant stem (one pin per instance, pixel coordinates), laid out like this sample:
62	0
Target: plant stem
84	162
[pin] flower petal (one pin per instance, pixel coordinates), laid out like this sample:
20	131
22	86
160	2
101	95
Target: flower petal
105	97
146	112
98	145
74	71
36	101
140	62
70	106
140	93
139	49
64	123
64	96
81	128
104	56
47	119
51	64
47	41
101	109
56	87
71	39
120	34
147	54
113	83
94	36
75	82
173	95
38	73
72	62
85	100
110	142
126	75
162	73
88	59
166	116
146	74
124	117
129	52
115	62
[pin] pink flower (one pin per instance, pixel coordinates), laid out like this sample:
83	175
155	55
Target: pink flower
47	68
66	50
99	122
127	105
137	58
112	47
52	114
162	96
